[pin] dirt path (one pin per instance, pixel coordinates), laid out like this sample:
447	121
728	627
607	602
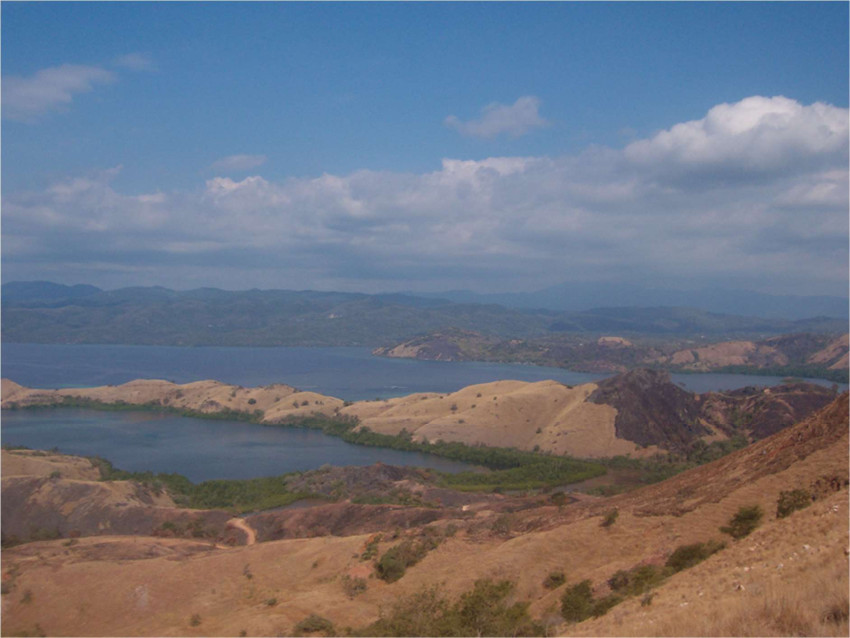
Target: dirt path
239	523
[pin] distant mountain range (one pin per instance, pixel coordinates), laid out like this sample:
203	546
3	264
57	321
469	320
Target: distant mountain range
45	312
583	296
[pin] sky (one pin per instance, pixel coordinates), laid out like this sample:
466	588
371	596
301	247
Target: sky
375	147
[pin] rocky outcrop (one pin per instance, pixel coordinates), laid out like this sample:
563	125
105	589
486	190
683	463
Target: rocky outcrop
651	410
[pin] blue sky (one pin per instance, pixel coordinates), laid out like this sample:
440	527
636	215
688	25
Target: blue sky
431	146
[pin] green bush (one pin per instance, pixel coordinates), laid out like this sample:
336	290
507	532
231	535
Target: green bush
577	602
792	501
610	518
398	558
686	556
554	580
314	624
600	607
636	580
482	611
353	586
744	522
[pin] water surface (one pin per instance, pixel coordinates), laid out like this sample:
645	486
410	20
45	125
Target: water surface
348	373
199	449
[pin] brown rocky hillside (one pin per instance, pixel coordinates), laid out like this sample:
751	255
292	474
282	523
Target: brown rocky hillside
788	577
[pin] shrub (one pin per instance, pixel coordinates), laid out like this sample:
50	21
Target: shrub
686	556
371	548
610	518
251	401
398	558
577	602
791	502
636	580
195	620
744	522
482	611
502	525
314	624
600	607
554	580
353	586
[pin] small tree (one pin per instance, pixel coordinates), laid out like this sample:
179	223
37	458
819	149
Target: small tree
744	522
577	602
791	502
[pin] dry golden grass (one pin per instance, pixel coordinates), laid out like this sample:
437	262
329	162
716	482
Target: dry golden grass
546	415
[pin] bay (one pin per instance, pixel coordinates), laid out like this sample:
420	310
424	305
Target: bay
351	374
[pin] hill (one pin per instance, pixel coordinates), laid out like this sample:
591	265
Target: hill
637	413
789	576
41	312
579	296
798	354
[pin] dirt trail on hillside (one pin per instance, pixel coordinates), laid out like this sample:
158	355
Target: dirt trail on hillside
239	523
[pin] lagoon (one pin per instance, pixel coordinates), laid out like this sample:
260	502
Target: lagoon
199	449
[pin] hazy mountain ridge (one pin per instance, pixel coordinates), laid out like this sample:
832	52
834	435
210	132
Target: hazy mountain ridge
582	296
42	312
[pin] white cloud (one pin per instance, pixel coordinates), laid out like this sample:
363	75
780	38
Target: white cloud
496	119
135	62
25	98
756	135
237	163
652	211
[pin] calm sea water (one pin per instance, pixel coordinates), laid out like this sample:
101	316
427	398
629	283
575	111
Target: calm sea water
218	449
347	373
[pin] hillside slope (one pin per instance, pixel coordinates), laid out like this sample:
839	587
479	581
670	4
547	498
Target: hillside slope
797	354
787	577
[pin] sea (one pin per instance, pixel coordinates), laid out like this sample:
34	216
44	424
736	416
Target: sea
203	449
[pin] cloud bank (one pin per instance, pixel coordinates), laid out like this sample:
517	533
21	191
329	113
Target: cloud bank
755	194
497	119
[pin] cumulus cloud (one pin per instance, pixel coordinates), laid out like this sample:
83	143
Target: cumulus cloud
25	98
515	120
237	163
757	135
654	211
